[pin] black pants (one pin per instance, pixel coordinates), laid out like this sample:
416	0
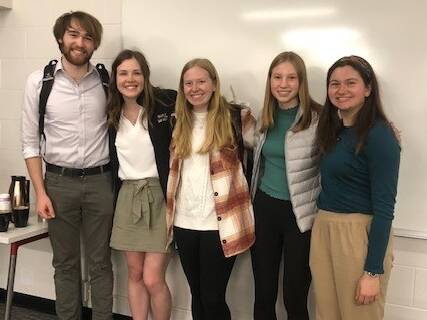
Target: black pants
276	232
207	272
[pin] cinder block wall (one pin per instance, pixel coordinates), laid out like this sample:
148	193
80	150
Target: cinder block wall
407	295
27	44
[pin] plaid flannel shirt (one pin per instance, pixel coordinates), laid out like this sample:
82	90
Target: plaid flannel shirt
231	195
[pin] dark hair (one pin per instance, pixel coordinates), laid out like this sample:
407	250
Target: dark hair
88	22
330	124
115	99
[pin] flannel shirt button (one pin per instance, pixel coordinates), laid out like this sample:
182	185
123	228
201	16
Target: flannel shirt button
224	241
215	194
219	218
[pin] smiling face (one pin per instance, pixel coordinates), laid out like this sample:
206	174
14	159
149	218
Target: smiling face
284	85
129	79
347	91
77	45
198	88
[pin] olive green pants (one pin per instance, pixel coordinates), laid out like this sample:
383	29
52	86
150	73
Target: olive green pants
83	206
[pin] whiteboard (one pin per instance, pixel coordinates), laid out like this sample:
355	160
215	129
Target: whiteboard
241	37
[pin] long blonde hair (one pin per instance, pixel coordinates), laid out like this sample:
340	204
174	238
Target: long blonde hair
306	103
219	131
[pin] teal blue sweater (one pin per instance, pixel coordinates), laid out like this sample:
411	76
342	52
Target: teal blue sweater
274	181
364	183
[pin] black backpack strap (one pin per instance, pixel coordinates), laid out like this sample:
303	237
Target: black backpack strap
105	77
47	83
245	155
236	119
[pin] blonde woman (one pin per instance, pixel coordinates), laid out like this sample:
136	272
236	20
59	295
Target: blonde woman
209	206
285	186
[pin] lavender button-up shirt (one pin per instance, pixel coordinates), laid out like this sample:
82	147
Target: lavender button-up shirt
75	120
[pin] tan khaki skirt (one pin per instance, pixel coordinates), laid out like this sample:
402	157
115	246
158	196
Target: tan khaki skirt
339	245
140	217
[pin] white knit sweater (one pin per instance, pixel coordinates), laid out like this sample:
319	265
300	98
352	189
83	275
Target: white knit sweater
195	206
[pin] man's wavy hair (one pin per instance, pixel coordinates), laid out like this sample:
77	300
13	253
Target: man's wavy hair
88	22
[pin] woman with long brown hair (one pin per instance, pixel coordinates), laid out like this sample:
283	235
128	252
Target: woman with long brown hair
140	134
351	251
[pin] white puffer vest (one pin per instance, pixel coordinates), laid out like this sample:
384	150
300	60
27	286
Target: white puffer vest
302	170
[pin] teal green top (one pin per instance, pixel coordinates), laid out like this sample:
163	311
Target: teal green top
274	181
365	183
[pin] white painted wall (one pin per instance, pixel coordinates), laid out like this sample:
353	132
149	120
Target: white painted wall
241	37
26	44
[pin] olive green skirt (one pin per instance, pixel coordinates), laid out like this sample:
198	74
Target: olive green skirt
140	217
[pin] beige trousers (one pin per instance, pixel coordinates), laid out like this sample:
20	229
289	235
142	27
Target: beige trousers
339	244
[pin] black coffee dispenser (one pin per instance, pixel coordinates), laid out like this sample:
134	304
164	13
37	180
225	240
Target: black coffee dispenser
19	191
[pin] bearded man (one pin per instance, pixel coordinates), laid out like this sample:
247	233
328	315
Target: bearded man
75	196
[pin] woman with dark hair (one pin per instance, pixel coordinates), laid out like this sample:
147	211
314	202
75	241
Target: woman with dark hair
209	206
351	249
140	134
284	188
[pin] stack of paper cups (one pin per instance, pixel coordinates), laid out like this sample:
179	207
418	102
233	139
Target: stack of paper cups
5	202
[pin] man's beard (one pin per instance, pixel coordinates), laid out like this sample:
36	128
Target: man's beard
80	60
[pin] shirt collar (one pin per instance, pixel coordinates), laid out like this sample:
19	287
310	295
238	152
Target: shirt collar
59	66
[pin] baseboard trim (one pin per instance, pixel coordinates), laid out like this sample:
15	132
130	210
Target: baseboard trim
47	305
